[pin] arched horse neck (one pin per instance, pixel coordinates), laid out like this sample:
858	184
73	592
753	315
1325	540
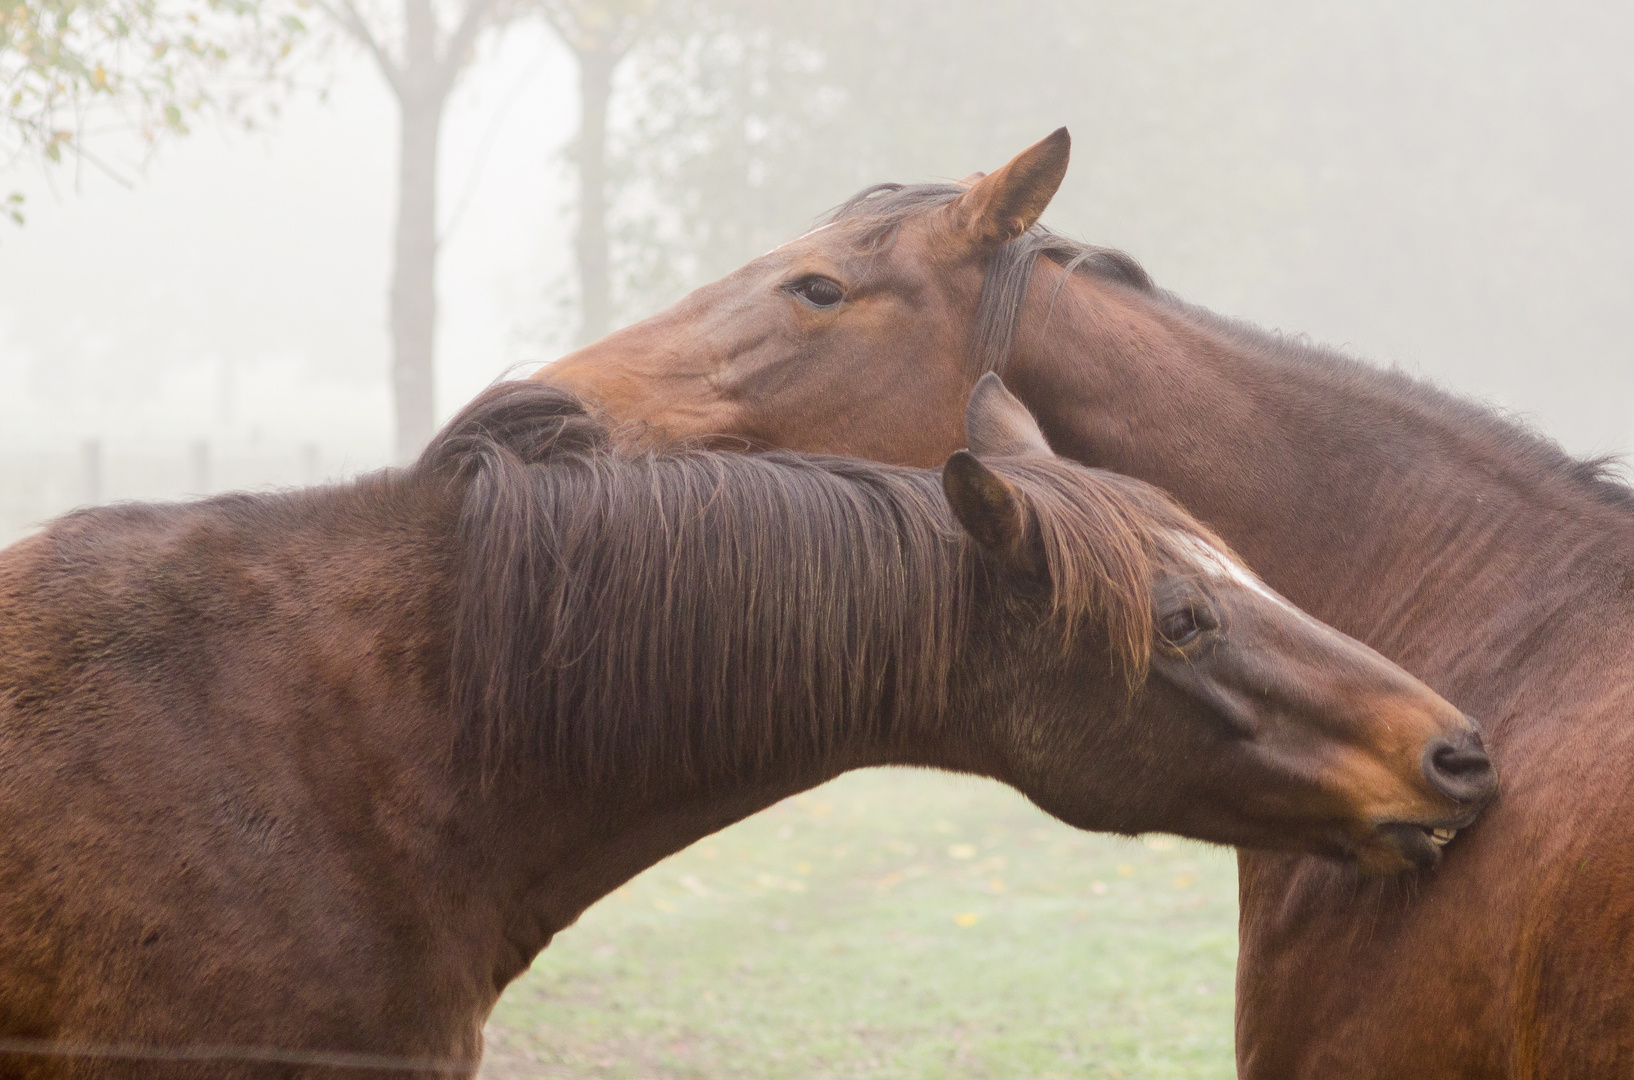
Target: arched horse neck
1297	454
674	623
660	626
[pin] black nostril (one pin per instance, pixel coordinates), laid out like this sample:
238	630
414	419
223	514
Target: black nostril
1460	760
1459	768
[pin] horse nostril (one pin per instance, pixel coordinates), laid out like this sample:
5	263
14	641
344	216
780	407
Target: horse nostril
1460	769
1460	761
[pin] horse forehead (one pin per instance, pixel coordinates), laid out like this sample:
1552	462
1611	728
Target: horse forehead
899	265
808	234
871	237
1216	564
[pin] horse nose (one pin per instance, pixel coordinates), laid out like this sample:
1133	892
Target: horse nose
1458	767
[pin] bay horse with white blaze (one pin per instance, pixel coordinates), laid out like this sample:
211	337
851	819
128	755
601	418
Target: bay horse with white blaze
296	783
1469	550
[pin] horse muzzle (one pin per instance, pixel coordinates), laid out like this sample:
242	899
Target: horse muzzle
1457	766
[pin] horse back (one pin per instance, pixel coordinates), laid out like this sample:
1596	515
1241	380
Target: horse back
211	720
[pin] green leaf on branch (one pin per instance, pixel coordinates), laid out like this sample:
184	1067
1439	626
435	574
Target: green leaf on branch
140	66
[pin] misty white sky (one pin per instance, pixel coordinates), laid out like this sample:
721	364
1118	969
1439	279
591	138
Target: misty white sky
237	292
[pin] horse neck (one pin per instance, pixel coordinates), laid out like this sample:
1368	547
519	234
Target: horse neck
688	768
687	620
1380	506
362	594
586	848
588	844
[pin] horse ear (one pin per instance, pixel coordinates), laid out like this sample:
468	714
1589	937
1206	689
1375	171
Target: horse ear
991	511
997	424
1002	205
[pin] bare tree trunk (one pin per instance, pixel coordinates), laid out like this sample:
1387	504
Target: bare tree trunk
595	276
599	33
421	74
414	274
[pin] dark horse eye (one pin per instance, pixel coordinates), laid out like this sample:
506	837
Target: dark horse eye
818	291
1182	626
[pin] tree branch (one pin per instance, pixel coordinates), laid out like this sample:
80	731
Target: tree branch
349	20
461	40
636	29
561	23
625	24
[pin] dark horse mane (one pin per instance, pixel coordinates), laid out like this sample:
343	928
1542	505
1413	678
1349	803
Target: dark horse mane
619	612
877	212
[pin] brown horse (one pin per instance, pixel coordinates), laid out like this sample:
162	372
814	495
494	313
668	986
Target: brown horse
304	780
1471	551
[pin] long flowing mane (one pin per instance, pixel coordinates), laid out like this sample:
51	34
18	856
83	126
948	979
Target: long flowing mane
876	213
710	612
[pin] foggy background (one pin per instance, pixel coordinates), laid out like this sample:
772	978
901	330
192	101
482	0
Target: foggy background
1443	187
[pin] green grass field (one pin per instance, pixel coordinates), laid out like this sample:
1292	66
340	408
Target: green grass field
891	924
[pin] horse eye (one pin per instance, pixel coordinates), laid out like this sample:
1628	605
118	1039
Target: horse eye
1182	626
818	291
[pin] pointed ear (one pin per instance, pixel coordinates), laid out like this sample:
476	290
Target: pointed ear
991	512
1002	205
997	424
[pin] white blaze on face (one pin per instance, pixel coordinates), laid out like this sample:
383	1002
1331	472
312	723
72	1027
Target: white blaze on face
1214	563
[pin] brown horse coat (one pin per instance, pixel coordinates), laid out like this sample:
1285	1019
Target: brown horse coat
1473	552
301	781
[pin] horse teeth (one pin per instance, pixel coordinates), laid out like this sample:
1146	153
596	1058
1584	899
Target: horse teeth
1442	837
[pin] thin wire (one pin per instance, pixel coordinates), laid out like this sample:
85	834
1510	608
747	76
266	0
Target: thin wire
269	1054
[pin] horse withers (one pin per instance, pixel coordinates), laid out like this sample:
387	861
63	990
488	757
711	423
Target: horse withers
302	781
1460	544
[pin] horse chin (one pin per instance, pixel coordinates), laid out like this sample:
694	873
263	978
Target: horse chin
1397	847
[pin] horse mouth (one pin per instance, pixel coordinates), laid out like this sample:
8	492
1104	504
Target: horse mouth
1399	846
